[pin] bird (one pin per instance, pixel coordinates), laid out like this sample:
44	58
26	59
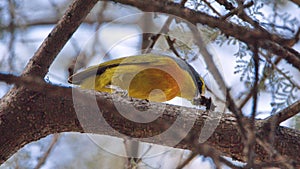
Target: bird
153	77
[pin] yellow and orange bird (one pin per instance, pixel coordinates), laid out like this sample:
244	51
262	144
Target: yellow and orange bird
153	77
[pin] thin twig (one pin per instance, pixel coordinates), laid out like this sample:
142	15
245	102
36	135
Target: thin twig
44	158
187	161
228	5
172	47
163	30
208	58
284	114
251	136
243	123
143	155
208	151
237	10
274	66
130	160
255	85
211	7
262	80
12	28
237	112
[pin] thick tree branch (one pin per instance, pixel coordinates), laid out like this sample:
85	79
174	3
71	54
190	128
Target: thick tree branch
32	116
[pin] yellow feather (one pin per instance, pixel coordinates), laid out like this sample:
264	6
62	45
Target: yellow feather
153	77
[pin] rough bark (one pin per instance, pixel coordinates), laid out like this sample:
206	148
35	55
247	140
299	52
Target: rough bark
27	115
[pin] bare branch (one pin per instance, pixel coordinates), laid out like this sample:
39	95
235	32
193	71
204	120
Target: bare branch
208	58
187	161
43	159
226	4
262	80
271	42
162	31
208	151
211	7
251	136
284	114
237	10
12	28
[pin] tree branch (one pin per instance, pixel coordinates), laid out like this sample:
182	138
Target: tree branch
43	159
32	116
284	114
265	40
